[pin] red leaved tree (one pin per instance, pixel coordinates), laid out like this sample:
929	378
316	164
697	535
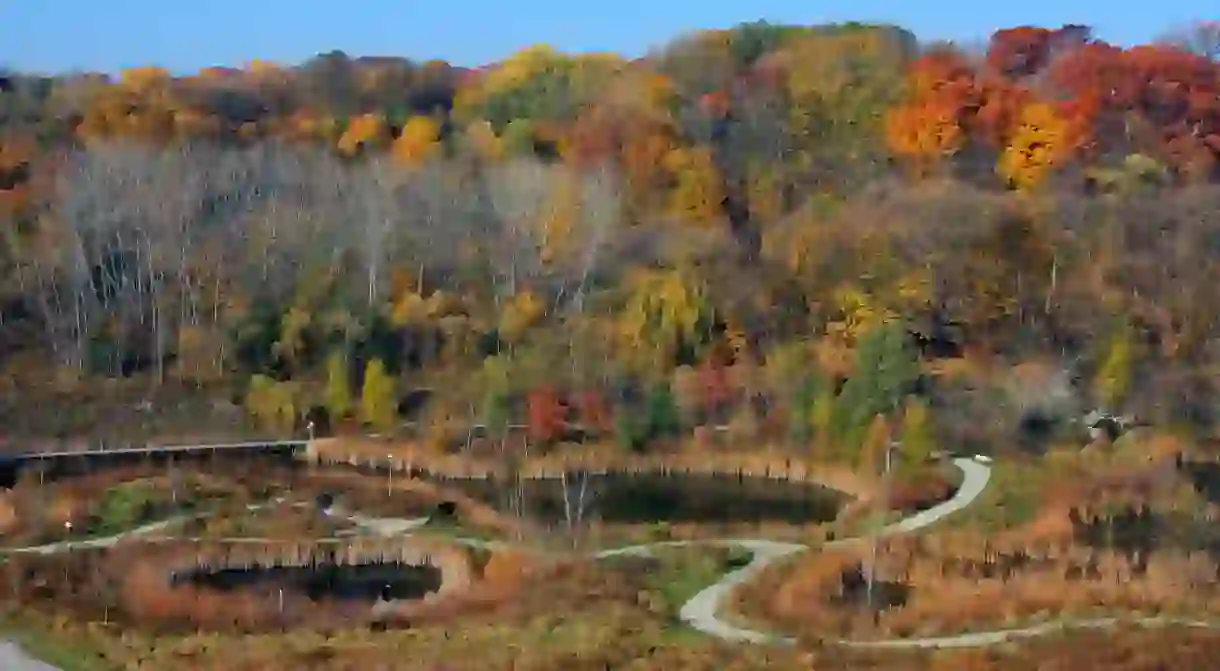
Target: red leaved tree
546	412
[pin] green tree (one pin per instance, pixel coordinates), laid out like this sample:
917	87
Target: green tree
804	397
885	369
915	432
496	375
1113	379
338	395
662	413
496	412
630	431
822	419
272	403
377	397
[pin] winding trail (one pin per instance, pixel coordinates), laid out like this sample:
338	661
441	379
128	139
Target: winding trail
14	658
114	539
700	611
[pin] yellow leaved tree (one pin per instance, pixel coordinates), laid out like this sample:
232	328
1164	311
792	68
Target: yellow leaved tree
367	131
1041	142
1113	379
697	195
481	139
272	403
519	313
377	402
863	309
292	334
418	142
666	309
338	394
563	208
306	125
915	431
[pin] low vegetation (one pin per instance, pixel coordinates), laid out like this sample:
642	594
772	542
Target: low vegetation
810	254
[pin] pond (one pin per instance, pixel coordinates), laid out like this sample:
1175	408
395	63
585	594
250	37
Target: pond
1205	477
637	499
52	469
1139	533
357	582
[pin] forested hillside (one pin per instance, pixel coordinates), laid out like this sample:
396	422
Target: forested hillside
721	233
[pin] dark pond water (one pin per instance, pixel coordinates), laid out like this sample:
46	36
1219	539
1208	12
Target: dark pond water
13	467
363	582
664	498
854	591
612	498
1205	477
1138	533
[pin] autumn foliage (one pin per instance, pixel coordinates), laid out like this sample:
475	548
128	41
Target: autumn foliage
546	411
735	193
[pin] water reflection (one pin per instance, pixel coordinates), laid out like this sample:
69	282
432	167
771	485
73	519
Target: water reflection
648	498
361	582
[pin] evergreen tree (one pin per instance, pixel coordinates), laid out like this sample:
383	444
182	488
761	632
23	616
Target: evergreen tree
886	368
496	412
272	403
804	397
1113	378
630	431
915	432
663	413
377	397
338	395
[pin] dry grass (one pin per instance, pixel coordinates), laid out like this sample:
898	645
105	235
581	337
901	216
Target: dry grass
759	462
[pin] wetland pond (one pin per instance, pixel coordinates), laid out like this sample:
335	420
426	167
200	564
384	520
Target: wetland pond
650	498
357	582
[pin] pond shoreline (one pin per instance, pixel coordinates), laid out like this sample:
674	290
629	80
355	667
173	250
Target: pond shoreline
409	457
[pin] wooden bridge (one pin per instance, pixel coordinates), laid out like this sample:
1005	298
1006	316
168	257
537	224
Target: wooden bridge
188	448
78	461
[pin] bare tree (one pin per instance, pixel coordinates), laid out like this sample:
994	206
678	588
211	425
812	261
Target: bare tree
599	212
370	194
518	194
578	499
1201	38
129	219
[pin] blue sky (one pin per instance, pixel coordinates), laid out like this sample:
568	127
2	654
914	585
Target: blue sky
107	35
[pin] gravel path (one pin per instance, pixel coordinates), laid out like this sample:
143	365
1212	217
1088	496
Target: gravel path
700	612
13	658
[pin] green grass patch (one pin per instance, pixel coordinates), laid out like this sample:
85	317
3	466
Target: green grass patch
677	574
1012	497
125	507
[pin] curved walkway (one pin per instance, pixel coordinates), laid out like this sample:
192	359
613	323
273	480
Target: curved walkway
700	611
114	539
14	658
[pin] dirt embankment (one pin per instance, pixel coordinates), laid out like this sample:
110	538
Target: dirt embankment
149	595
763	464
